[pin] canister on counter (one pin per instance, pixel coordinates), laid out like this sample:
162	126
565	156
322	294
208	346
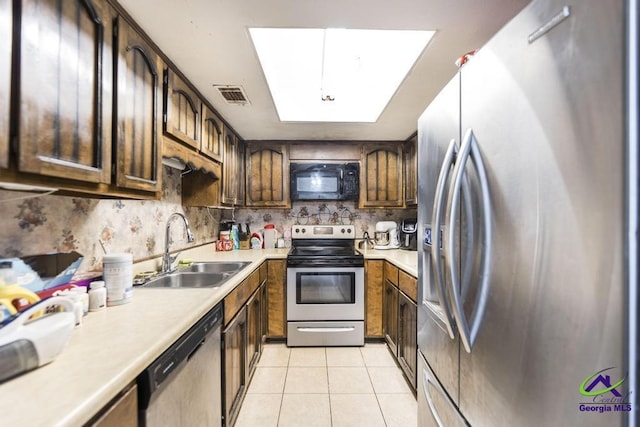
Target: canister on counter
117	272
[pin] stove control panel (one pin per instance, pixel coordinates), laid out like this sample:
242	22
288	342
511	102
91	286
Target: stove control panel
323	232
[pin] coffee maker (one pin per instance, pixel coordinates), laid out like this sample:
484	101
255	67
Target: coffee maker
409	234
386	235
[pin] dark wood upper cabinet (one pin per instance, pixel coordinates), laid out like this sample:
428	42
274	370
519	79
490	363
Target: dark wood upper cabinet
138	111
6	28
65	89
267	175
211	136
182	115
411	172
230	171
381	183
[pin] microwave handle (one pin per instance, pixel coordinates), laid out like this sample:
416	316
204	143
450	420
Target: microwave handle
341	181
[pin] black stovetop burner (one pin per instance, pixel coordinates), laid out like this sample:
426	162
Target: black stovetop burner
329	252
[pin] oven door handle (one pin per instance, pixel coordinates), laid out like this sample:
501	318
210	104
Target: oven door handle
326	329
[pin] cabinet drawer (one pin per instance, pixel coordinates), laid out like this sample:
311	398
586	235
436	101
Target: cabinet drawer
391	272
263	272
409	285
235	300
254	282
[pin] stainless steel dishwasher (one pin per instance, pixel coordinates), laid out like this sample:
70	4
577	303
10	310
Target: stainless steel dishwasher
182	387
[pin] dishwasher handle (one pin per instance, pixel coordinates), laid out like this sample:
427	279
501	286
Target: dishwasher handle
161	370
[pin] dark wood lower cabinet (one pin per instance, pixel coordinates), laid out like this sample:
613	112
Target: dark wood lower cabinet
254	331
234	362
399	318
374	280
122	412
407	338
277	299
390	316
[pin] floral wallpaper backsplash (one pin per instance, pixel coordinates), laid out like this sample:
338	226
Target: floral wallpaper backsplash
45	224
309	213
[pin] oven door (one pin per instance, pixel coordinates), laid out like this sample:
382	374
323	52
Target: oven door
325	293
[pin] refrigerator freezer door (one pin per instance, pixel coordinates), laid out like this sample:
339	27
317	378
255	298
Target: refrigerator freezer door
548	119
435	408
438	125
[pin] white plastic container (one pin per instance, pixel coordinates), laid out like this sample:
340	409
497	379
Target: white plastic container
270	238
97	296
77	306
117	272
84	297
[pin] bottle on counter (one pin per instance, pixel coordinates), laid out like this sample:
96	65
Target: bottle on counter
97	296
234	236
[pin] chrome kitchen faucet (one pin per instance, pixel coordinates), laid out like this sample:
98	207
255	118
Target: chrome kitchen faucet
167	259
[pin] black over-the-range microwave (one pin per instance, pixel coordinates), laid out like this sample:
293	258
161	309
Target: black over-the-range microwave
325	181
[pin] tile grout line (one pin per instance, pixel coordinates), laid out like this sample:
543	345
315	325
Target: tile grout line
326	363
286	374
375	393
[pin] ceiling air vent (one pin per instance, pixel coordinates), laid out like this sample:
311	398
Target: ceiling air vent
233	94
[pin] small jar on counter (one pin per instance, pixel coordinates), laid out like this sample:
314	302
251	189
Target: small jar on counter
97	296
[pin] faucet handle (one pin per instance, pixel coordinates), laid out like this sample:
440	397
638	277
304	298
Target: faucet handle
173	258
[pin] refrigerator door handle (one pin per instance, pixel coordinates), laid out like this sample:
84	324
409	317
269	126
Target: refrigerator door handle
436	257
469	330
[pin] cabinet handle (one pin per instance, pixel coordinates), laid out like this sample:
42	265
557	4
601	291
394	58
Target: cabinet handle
327	329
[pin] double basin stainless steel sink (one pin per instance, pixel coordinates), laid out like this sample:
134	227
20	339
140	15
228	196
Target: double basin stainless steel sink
198	275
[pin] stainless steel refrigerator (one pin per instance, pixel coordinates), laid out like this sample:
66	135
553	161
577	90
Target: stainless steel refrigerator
522	316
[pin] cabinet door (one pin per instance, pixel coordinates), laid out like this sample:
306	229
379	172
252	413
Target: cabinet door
230	169
411	172
182	116
254	332
373	296
407	338
6	27
234	379
240	172
267	175
264	313
276	299
381	183
138	112
390	315
65	89
211	136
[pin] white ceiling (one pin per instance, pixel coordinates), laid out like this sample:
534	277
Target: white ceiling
209	41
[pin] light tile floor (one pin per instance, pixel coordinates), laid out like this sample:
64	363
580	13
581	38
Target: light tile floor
328	386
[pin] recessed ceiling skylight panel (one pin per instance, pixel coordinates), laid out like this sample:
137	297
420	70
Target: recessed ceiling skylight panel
335	75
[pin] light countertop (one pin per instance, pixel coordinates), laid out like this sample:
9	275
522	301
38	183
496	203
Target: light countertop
403	259
113	346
